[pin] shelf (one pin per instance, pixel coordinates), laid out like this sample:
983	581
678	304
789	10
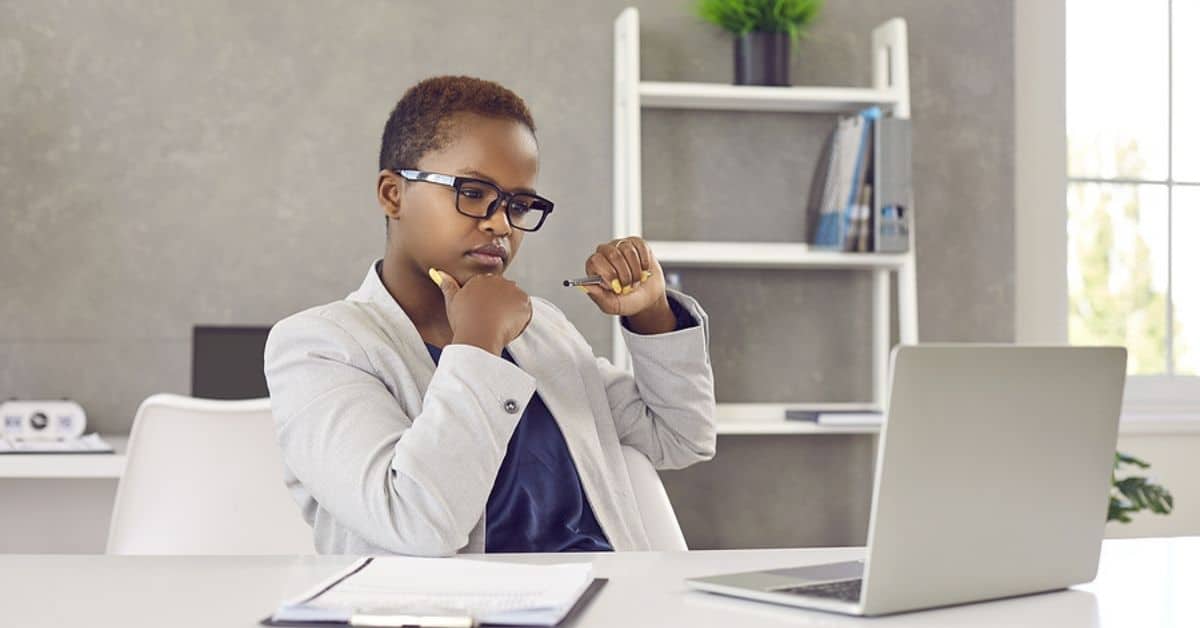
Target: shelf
768	255
62	466
746	419
735	419
676	95
752	428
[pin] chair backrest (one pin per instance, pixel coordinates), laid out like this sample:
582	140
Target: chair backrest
658	516
205	477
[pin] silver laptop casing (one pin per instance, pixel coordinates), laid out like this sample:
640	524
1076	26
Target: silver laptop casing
992	479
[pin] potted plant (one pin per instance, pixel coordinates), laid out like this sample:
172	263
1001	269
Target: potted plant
764	31
1133	493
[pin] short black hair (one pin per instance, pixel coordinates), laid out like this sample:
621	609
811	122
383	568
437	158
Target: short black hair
417	124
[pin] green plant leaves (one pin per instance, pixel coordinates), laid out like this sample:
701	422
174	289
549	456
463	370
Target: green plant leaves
774	16
1136	493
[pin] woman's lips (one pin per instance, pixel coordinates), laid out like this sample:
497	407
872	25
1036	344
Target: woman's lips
485	259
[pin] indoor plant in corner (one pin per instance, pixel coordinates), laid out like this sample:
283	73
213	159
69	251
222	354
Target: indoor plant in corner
1133	493
764	31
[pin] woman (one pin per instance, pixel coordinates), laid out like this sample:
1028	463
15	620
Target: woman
439	409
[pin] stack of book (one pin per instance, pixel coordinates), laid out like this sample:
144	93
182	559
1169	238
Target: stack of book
836	417
865	185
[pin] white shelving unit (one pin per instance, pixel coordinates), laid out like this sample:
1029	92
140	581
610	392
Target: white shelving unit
889	91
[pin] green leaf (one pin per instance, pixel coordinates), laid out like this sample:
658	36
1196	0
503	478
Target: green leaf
1126	459
774	16
1136	493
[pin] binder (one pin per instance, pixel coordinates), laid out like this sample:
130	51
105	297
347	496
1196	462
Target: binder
892	206
863	139
841	162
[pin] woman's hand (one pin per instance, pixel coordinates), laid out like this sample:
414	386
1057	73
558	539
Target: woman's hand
489	311
634	286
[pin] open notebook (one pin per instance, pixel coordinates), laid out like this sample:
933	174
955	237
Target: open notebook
372	589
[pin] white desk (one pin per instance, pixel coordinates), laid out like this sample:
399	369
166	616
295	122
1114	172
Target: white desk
68	466
1142	582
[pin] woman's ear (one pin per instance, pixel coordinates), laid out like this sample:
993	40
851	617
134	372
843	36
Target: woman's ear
388	190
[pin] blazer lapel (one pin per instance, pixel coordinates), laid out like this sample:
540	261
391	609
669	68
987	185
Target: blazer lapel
404	335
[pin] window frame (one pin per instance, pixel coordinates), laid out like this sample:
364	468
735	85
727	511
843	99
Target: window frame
1042	183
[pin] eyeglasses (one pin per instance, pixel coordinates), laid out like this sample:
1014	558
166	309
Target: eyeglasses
480	199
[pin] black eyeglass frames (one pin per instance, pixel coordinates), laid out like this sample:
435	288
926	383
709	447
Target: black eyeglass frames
480	199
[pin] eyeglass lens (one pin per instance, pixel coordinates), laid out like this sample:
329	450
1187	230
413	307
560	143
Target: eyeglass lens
476	198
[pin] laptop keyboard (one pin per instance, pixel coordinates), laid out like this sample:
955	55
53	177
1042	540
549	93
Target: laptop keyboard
846	590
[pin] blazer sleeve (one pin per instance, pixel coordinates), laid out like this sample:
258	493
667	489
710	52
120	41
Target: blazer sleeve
410	484
666	408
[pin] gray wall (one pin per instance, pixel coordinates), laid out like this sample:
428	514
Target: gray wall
167	164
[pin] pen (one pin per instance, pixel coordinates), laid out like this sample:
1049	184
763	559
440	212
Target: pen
594	280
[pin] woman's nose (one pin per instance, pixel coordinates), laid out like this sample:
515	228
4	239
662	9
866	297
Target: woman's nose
498	221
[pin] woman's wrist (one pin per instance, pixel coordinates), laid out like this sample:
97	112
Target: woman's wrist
476	340
656	319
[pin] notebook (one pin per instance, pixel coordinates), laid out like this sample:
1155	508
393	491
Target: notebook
89	444
487	592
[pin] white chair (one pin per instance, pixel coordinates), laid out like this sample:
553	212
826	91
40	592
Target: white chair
658	517
205	477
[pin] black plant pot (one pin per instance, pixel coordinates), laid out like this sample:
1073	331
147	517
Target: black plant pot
761	58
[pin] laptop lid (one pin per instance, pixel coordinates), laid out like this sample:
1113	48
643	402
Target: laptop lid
993	474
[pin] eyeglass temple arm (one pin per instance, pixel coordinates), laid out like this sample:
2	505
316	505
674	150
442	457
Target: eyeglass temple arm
432	177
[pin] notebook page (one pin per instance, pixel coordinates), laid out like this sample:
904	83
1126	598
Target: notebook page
493	592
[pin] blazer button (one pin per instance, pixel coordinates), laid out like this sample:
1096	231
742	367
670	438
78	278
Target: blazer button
511	406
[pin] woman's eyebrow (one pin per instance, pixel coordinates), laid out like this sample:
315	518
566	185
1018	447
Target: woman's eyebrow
479	175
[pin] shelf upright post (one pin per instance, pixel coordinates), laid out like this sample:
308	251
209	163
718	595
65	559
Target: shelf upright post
627	149
889	72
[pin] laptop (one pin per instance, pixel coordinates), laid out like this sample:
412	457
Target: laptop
992	480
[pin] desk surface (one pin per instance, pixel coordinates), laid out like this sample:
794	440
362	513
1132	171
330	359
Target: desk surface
1142	582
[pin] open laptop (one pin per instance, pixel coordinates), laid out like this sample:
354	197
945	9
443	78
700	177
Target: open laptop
992	481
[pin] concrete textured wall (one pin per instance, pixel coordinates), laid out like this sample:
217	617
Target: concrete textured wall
164	164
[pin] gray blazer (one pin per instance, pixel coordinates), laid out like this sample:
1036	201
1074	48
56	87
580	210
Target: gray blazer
385	453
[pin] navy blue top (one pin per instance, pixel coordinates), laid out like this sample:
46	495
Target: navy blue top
537	502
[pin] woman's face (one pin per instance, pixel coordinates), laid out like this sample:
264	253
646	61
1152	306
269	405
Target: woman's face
428	227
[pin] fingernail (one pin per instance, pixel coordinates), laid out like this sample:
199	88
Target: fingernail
433	274
616	286
582	289
645	275
627	290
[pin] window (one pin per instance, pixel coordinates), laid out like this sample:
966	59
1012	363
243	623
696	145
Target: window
1133	184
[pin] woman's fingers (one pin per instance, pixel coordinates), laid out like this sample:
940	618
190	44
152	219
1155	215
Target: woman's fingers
645	259
599	264
633	257
618	261
621	264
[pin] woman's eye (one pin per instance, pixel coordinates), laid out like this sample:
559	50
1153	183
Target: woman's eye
518	206
471	193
